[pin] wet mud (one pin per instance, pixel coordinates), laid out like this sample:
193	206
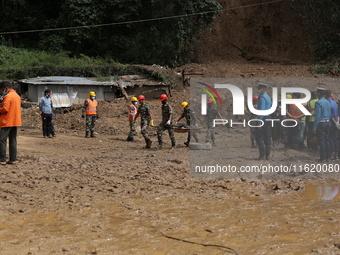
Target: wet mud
72	195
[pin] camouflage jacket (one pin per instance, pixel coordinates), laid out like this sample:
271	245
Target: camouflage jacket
187	115
212	114
143	111
166	111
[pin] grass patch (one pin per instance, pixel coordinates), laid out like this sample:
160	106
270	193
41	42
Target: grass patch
15	58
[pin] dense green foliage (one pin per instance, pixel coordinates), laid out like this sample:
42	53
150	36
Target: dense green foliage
165	42
323	16
14	58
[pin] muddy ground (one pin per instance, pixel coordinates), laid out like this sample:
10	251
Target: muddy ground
72	195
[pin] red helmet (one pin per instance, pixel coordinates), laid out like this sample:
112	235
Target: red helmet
255	98
140	97
163	97
210	101
332	96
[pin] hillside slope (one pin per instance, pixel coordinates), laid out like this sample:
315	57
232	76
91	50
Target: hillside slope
272	32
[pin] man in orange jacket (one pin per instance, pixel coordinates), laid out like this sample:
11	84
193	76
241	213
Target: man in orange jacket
10	119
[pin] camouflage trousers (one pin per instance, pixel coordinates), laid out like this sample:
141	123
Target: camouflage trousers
90	122
132	129
144	131
194	135
170	129
210	135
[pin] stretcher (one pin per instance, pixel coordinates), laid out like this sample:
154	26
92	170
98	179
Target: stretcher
181	128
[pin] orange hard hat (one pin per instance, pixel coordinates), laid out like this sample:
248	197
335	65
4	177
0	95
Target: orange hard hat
140	97
210	101
163	97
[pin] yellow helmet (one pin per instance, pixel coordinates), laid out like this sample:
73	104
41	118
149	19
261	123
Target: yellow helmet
184	104
92	94
134	99
288	96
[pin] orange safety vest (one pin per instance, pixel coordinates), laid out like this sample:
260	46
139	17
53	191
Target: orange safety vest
134	111
91	107
294	111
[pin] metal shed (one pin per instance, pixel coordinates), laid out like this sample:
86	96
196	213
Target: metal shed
67	91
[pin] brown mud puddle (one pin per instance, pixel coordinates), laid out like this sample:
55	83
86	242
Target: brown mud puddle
286	224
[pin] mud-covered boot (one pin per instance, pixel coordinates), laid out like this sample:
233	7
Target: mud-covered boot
262	152
213	143
87	134
159	146
268	148
173	145
92	134
148	144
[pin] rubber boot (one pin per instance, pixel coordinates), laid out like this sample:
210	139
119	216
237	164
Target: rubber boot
214	144
173	145
262	152
187	143
92	134
128	139
268	148
87	134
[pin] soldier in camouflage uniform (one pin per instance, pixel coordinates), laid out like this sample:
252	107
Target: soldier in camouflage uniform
187	114
144	111
212	113
90	108
166	123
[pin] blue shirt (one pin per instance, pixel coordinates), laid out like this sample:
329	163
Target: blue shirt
322	111
45	105
264	103
334	109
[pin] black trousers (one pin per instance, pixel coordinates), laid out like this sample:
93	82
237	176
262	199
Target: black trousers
11	133
47	124
264	135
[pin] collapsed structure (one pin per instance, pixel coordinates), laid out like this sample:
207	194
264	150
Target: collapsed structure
67	90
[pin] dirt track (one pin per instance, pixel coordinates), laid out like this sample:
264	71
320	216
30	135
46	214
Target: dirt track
72	195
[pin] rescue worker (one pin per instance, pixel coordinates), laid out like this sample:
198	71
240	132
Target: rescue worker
285	128
333	134
253	130
294	131
322	124
144	111
212	113
311	137
90	109
189	114
263	134
166	123
132	113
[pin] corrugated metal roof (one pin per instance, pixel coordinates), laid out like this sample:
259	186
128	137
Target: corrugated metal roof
129	80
